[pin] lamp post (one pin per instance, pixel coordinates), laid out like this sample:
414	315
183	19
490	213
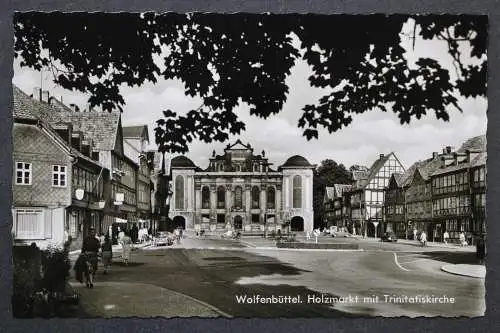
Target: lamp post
167	202
266	170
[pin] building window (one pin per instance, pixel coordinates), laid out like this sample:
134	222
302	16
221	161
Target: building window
59	175
255	197
221	218
221	197
29	224
270	198
205	197
255	218
297	192
179	192
23	173
238	200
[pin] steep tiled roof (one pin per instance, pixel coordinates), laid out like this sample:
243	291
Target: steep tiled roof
135	131
102	127
479	160
475	143
26	107
428	167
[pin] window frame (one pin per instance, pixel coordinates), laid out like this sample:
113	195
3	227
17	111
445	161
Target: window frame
59	173
24	170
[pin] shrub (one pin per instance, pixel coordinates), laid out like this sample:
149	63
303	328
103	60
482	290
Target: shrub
56	269
26	279
40	280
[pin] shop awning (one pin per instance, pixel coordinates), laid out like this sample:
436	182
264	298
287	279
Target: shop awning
120	220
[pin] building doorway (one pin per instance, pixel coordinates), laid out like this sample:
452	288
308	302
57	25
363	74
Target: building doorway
297	224
179	222
238	222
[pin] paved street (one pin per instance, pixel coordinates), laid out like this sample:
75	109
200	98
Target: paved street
214	275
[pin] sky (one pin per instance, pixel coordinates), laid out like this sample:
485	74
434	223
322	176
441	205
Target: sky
369	135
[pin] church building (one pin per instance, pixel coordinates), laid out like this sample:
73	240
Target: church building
240	191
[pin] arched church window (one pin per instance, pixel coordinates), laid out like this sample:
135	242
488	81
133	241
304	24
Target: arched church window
255	197
179	192
221	197
271	197
205	197
297	192
238	200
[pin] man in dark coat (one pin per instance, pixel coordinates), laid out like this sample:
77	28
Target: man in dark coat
90	249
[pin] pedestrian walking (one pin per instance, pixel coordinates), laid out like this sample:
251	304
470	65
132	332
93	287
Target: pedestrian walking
445	237
308	235
90	249
415	234
423	238
107	253
126	243
177	235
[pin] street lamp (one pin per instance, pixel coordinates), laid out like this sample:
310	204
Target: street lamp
167	201
266	170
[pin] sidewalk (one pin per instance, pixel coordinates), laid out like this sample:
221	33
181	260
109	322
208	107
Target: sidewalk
116	248
117	299
475	271
438	244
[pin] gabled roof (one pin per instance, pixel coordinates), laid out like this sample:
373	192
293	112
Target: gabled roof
102	127
136	132
239	145
398	177
475	143
479	160
26	107
373	170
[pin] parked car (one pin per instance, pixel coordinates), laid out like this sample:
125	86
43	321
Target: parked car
162	238
389	237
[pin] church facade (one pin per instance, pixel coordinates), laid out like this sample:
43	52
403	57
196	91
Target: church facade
240	191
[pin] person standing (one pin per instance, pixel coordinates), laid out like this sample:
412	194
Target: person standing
107	253
126	243
90	249
423	238
445	237
463	242
415	234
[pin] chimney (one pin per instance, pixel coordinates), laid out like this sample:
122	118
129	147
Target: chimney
435	155
37	93
448	149
381	156
45	96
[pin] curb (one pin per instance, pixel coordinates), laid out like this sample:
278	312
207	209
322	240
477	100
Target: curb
209	306
450	271
261	248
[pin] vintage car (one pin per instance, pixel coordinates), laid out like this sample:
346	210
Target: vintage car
389	237
163	238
